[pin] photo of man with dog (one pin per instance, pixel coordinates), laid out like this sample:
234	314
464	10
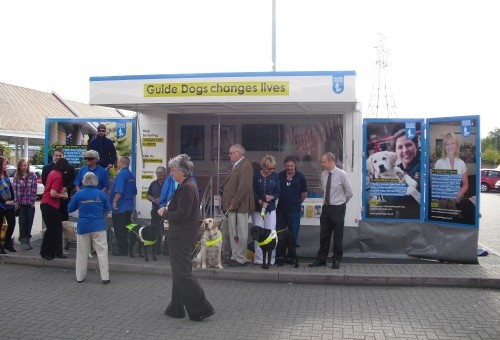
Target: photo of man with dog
393	166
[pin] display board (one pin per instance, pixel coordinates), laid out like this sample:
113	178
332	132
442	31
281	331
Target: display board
74	134
453	158
393	169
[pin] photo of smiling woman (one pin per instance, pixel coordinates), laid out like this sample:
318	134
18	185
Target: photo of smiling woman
393	170
452	172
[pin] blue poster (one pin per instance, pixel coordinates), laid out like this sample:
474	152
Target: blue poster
453	176
78	132
393	169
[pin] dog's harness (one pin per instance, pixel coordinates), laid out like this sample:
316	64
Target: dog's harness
146	242
131	226
269	239
213	242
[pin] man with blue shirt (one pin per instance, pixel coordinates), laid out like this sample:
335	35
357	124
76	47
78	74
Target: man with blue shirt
91	158
123	204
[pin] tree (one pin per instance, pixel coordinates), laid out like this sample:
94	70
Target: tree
38	157
5	149
490	148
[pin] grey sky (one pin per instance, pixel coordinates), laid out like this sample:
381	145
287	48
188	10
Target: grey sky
443	58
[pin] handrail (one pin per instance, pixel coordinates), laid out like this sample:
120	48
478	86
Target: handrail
206	202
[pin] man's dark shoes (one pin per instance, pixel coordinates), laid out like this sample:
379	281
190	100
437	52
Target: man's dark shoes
61	256
48	257
336	264
106	282
317	263
203	316
11	249
234	263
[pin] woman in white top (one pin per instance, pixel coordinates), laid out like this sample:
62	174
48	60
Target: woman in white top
452	161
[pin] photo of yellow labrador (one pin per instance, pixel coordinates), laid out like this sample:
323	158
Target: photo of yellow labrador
383	164
210	245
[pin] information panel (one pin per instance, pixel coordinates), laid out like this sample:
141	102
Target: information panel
453	162
393	169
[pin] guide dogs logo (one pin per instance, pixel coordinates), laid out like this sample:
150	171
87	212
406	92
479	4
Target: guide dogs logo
338	84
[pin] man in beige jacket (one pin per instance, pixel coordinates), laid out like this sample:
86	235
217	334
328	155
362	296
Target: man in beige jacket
238	201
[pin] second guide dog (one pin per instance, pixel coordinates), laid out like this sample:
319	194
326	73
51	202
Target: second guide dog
210	245
147	238
267	240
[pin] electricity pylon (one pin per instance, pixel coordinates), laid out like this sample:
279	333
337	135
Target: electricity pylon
382	104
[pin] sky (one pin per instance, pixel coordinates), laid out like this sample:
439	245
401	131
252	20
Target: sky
443	56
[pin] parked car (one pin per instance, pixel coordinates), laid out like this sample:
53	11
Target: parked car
489	178
11	170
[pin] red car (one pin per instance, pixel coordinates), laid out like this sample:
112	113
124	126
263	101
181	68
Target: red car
489	177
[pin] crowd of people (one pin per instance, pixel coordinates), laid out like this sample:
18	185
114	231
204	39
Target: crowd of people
272	200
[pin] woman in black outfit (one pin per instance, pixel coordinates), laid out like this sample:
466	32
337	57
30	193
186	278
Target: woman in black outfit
183	213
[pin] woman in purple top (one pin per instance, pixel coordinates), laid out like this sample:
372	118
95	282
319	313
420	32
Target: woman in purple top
25	185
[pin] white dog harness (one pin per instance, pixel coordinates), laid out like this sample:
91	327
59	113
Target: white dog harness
146	242
271	237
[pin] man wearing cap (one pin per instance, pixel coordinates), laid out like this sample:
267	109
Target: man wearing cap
91	158
105	147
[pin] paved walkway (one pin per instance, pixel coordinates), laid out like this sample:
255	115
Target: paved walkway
381	272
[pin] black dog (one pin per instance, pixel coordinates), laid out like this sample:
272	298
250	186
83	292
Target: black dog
267	240
147	237
286	249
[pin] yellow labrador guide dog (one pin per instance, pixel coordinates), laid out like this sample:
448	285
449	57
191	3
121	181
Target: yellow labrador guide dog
210	245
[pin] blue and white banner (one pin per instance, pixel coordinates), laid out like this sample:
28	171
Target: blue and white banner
393	169
453	158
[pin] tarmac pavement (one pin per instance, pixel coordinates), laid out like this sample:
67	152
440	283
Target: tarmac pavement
382	272
47	303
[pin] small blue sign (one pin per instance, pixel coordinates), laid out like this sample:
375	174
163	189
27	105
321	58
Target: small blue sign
466	127
410	130
121	130
338	84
